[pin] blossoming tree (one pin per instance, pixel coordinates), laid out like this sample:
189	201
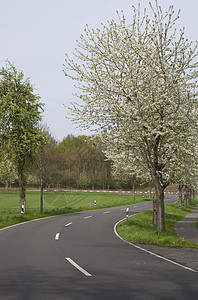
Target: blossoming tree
137	83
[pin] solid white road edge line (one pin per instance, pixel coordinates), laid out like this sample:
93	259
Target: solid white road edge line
87	217
26	222
150	252
68	224
77	266
57	236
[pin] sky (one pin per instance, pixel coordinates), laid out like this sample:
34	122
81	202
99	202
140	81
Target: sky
36	34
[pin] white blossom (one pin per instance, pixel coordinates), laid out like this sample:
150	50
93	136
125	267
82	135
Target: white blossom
138	85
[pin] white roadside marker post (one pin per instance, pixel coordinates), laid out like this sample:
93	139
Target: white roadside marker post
127	213
22	210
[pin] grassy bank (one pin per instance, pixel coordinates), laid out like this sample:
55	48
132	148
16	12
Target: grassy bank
57	203
139	228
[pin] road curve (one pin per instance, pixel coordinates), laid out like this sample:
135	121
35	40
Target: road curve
78	256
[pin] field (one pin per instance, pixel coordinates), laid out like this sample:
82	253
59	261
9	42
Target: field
57	203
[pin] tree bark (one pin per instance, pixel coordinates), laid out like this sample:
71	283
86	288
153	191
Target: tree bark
180	196
156	171
154	209
41	194
193	195
69	177
133	191
160	209
41	198
190	195
159	194
185	196
6	185
149	190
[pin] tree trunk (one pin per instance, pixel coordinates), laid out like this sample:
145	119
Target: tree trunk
21	186
69	177
41	198
156	170
160	211
190	195
41	195
93	179
159	194
154	209
185	196
6	185
149	190
159	191
133	191
193	195
180	196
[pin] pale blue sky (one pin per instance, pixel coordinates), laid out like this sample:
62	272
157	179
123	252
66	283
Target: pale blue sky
36	34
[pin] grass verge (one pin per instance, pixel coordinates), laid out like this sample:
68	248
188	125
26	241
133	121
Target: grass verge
11	218
139	228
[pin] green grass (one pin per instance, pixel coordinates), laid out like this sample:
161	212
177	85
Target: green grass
139	228
56	203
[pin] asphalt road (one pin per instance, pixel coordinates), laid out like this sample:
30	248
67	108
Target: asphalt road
79	256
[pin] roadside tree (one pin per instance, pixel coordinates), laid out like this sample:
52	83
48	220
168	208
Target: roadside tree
20	113
137	83
48	164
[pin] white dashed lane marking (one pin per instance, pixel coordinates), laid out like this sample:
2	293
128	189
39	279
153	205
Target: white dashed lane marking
68	224
57	236
77	266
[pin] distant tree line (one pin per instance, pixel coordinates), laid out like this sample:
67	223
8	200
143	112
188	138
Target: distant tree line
74	163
